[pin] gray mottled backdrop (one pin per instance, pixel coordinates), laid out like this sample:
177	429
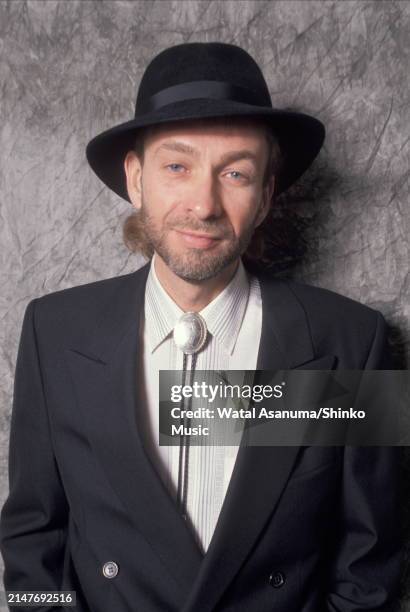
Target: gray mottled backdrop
70	69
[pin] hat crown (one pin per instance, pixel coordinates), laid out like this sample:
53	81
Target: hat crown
190	62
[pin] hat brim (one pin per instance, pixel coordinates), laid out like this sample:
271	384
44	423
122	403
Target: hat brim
300	138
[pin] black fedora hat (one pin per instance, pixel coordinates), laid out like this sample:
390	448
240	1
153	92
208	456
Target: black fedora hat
198	80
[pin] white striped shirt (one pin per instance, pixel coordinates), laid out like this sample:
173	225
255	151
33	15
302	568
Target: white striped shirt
234	321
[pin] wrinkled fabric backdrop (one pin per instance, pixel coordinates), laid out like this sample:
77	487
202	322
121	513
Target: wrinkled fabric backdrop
70	69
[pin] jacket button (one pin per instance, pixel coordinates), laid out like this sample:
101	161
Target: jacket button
110	569
277	579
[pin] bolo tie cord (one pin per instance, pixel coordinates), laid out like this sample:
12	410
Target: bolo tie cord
183	466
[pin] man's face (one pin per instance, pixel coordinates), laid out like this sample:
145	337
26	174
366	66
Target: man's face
200	193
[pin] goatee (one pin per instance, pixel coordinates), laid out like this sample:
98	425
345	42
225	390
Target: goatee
196	264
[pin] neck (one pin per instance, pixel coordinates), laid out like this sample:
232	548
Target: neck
189	295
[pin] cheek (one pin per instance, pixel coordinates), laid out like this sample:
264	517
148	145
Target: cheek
242	214
156	200
162	193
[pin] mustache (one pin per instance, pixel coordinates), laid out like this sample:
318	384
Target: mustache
215	227
209	228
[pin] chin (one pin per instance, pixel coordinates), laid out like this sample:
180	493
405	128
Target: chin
200	270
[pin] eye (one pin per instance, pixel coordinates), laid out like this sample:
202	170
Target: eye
175	168
237	175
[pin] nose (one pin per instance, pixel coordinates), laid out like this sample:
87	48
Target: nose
206	201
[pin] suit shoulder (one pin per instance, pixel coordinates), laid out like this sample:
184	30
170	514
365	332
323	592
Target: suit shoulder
337	320
94	291
328	302
74	309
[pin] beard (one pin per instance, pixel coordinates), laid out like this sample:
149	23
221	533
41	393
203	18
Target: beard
195	264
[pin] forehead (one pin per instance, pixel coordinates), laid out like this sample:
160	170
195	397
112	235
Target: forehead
219	131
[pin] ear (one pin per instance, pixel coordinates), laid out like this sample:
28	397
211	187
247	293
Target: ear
133	171
266	201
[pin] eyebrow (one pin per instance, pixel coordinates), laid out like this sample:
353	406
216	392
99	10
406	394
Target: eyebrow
230	156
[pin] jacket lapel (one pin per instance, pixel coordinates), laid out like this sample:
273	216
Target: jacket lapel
260	472
103	368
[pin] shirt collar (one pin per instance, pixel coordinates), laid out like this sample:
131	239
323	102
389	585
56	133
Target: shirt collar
223	316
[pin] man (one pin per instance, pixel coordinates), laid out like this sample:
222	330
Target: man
93	497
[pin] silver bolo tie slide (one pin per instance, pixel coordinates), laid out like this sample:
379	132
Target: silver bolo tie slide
190	333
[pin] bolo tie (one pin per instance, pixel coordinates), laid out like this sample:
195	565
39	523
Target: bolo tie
190	334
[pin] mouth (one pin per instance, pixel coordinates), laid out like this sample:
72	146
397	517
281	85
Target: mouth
198	240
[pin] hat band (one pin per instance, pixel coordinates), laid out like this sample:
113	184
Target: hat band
218	90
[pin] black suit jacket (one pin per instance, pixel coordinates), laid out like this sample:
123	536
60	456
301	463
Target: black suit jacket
302	529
